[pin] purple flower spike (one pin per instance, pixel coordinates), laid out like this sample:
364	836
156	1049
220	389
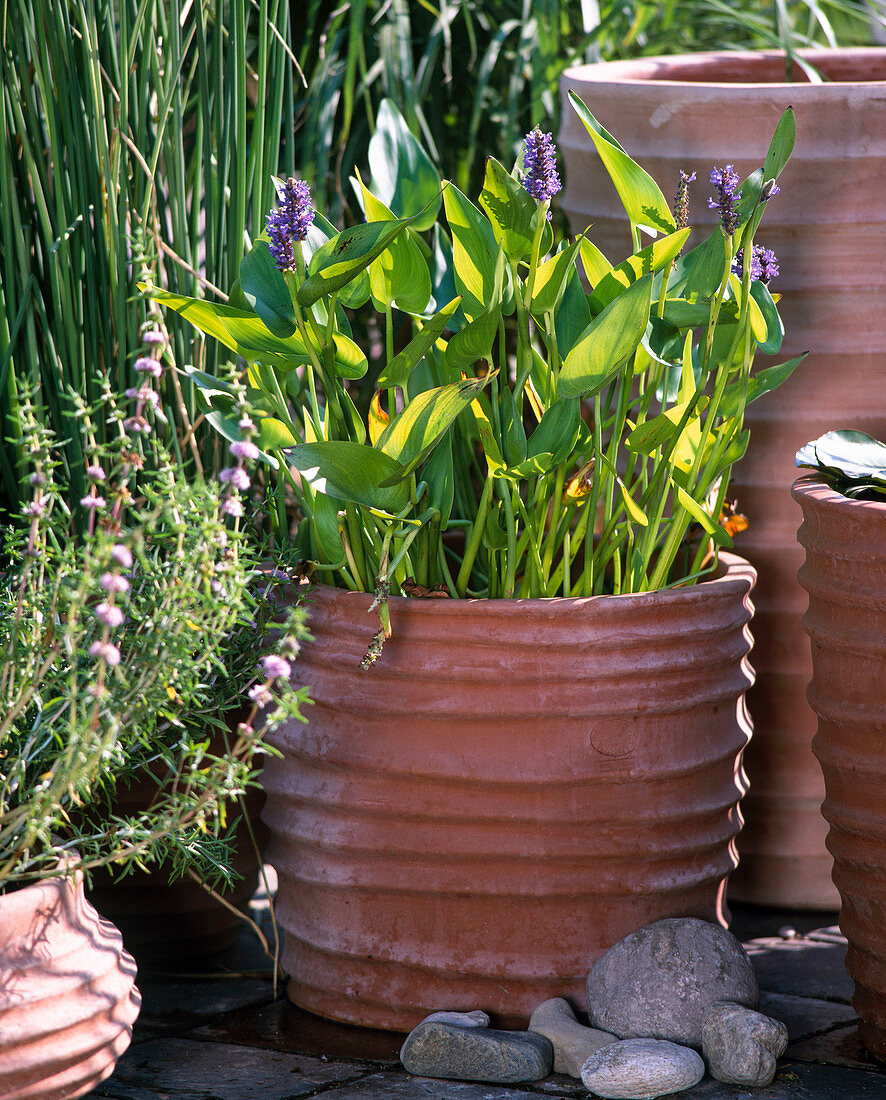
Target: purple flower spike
540	166
289	222
726	181
764	263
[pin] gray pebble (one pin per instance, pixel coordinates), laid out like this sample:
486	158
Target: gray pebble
459	1019
741	1046
435	1049
640	1069
573	1043
658	982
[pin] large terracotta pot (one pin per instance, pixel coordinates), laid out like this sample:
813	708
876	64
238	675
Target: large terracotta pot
826	227
67	994
515	786
845	576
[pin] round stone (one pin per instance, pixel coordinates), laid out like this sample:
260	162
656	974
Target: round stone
660	981
641	1069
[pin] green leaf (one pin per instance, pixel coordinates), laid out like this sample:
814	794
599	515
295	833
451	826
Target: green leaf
273	433
706	265
647	437
700	516
855	455
557	430
439	473
736	396
209	385
610	338
513	435
551	277
352	472
345	255
356	293
247	335
781	146
596	265
474	251
265	289
403	176
413	434
774	327
475	341
640	195
650	259
512	212
324	526
399	275
573	314
397	372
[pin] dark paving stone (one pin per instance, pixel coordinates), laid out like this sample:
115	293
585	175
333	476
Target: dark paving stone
751	922
177	1005
282	1026
181	1069
794	1081
806	1016
803	967
840	1047
399	1086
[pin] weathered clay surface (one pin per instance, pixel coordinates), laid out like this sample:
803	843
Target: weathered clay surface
740	1046
435	1049
409	777
573	1043
660	981
641	1069
67	993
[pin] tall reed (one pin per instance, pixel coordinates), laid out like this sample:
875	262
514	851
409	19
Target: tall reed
131	142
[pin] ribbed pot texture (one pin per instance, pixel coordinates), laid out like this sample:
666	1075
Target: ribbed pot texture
67	994
845	576
693	112
516	785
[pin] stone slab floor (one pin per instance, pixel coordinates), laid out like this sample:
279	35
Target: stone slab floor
221	1034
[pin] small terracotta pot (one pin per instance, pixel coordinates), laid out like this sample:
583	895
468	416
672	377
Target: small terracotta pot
692	112
167	922
845	576
67	993
515	786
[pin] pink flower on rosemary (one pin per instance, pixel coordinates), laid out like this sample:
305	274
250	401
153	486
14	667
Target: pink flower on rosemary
275	667
231	506
236	476
146	365
35	509
105	651
122	555
113	582
244	449
95	472
260	695
108	614
93	502
153	338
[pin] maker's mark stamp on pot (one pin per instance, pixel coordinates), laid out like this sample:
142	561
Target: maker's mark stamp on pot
614	737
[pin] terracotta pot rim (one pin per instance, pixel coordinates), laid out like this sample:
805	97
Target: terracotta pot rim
812	487
734	574
21	896
654	71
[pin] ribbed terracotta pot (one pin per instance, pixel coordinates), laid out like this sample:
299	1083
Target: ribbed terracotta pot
845	576
515	786
693	112
67	993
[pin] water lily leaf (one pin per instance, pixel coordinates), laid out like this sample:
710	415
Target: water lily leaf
606	342
640	195
265	289
857	456
403	175
352	472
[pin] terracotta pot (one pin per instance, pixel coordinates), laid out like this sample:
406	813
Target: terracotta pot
845	576
166	922
693	112
515	786
67	994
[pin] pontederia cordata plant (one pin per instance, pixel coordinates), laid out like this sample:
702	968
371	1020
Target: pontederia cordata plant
571	418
